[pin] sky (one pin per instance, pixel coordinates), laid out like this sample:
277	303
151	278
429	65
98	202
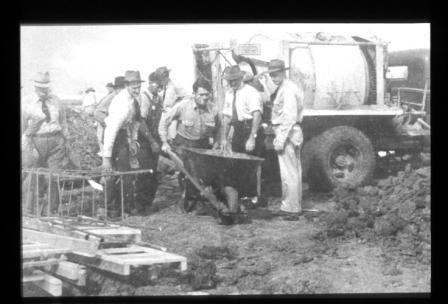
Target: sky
79	56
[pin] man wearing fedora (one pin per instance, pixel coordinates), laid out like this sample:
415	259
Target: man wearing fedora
120	140
45	134
148	156
242	109
197	124
170	94
102	109
286	119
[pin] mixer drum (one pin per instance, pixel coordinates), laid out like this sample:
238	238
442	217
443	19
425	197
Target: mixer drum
332	76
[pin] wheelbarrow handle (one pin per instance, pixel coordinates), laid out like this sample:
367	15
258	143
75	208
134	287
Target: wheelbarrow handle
205	192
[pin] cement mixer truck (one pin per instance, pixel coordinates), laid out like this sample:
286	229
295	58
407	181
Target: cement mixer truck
350	112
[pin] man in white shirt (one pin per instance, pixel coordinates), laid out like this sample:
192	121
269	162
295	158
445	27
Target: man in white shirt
170	95
242	109
120	138
286	119
89	101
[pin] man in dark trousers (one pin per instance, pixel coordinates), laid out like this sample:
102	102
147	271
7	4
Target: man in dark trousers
44	140
120	141
197	124
151	110
242	109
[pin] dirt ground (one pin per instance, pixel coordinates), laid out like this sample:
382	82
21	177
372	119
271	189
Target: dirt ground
269	255
374	239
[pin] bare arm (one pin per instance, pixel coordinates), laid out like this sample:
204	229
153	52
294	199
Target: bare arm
255	123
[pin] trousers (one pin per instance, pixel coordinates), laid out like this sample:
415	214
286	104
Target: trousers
120	162
247	183
146	184
52	154
291	172
190	191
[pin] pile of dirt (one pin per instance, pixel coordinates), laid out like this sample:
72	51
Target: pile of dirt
83	141
396	210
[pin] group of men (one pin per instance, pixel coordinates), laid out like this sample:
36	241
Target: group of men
135	126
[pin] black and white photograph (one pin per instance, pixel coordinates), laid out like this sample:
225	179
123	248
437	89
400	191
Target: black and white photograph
205	159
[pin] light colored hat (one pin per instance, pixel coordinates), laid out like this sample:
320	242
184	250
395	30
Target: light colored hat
132	77
276	65
42	80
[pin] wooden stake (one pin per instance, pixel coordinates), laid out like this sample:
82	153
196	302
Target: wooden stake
82	196
49	194
122	198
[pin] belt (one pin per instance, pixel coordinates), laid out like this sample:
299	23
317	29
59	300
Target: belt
243	122
297	123
55	133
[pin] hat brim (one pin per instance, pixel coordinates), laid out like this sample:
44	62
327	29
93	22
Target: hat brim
133	81
278	70
41	84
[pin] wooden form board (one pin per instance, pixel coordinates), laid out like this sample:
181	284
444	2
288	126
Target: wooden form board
44	281
121	260
61	241
105	232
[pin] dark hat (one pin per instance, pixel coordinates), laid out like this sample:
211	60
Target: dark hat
109	85
276	65
119	81
90	89
162	71
233	72
132	76
153	77
42	80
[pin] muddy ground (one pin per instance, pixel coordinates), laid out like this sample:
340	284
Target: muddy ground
371	239
343	249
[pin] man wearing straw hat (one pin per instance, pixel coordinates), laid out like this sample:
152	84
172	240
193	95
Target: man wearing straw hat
45	134
286	119
242	109
120	140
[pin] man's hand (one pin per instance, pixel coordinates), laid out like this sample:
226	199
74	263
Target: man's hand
107	164
134	148
278	145
166	147
155	147
250	144
215	145
225	146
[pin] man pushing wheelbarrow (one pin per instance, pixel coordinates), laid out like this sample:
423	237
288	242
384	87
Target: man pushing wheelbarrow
206	175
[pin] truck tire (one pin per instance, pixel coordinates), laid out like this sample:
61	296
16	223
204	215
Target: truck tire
343	156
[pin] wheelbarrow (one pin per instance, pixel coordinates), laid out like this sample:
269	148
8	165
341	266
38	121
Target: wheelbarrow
219	177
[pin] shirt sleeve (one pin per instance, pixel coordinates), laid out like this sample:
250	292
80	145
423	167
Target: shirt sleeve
255	102
114	121
166	119
170	96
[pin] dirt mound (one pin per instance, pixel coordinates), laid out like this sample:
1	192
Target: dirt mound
396	208
83	142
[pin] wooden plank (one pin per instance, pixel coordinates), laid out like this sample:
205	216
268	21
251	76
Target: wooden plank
36	253
49	262
45	281
72	271
34	246
60	241
119	250
51	285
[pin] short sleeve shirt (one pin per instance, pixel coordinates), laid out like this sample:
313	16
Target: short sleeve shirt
194	123
248	101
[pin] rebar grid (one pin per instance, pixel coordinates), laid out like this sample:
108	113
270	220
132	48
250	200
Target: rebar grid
69	178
